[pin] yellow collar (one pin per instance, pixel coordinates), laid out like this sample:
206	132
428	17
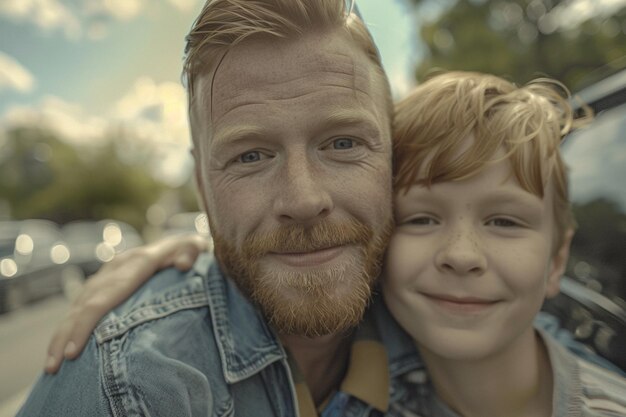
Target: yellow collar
367	377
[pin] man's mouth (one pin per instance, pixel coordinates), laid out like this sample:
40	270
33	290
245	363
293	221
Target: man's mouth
308	258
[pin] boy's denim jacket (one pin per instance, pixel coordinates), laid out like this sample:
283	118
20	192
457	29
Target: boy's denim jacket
194	346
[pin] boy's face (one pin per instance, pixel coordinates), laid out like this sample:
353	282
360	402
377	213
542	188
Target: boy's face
471	262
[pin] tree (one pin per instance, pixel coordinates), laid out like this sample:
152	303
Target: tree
521	40
42	176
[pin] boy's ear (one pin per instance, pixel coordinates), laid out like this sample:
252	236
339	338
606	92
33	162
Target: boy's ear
558	264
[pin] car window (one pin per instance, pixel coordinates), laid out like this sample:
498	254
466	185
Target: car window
596	156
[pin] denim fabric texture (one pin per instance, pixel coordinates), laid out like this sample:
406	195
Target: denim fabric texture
190	344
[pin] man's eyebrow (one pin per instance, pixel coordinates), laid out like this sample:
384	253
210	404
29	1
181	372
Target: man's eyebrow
235	134
351	118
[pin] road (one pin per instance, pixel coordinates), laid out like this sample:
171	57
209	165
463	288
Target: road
24	336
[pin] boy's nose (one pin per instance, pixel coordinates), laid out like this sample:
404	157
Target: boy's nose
461	254
302	196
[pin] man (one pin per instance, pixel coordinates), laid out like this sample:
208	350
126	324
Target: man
290	115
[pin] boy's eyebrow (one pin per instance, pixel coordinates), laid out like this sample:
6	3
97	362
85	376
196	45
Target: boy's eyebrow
496	197
524	198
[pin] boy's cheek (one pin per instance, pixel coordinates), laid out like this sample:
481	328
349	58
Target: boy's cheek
402	263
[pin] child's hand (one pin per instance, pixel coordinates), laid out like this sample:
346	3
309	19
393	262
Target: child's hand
114	283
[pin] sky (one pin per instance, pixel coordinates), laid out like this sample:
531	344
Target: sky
85	67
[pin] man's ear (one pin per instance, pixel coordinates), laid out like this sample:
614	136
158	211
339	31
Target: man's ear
558	265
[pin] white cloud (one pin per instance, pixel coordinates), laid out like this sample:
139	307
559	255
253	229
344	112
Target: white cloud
48	15
160	110
68	120
183	5
157	115
152	118
97	31
14	76
118	9
89	18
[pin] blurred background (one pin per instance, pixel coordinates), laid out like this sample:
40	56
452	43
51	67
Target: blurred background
94	144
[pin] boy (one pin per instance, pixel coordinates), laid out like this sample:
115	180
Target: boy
483	233
483	229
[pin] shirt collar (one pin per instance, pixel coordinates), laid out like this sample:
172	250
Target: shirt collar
367	377
244	340
368	371
401	351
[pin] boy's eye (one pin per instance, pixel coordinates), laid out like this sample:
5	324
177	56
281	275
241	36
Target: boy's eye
502	222
343	143
423	221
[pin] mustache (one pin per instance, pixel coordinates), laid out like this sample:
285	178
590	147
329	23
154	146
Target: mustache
298	238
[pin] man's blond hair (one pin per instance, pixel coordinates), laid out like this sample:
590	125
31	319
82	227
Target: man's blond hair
431	126
223	24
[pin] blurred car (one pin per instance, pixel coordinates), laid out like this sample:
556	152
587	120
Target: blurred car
92	243
33	257
591	303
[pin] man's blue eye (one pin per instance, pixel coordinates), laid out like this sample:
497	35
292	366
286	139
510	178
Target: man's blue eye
252	156
343	143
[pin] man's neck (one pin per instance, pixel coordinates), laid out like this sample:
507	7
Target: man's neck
323	361
516	383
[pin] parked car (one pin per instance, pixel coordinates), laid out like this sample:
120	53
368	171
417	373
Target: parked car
593	291
33	257
93	242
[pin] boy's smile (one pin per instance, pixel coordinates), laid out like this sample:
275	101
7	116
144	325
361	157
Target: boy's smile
471	262
460	304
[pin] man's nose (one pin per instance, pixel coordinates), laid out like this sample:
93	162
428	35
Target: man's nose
461	253
303	194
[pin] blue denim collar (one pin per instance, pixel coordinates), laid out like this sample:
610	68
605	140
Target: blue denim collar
245	342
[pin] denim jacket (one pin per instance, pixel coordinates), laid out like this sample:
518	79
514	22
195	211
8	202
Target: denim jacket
190	344
193	346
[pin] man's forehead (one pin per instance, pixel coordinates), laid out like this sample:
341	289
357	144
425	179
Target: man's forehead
296	60
259	64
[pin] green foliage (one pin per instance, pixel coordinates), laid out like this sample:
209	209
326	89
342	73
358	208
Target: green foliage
43	177
517	39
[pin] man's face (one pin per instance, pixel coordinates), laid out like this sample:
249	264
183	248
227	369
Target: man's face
294	167
471	262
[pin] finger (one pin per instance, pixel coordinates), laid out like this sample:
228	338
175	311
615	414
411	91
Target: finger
184	261
56	346
80	333
188	251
